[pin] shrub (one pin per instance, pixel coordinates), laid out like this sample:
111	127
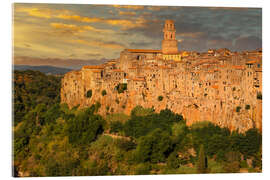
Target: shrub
202	161
117	101
173	161
84	128
143	169
103	93
121	87
259	95
97	106
238	108
141	111
116	127
247	106
89	93
155	147
125	145
160	98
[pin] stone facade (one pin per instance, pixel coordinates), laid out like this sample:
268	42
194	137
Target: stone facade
220	86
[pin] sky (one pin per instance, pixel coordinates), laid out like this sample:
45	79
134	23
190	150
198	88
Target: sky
69	35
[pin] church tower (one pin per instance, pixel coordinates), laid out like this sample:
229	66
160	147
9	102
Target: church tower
169	43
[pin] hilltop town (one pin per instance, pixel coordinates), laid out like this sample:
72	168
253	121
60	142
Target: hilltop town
220	86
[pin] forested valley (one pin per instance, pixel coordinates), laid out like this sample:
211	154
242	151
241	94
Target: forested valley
51	139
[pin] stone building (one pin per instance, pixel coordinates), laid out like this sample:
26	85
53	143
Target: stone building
220	86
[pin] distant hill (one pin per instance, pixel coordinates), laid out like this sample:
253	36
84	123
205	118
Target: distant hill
44	69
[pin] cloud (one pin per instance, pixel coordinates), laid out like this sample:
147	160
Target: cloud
93	54
190	34
36	12
248	43
107	45
140	44
134	7
77	18
154	8
69	15
68	63
127	13
74	29
127	24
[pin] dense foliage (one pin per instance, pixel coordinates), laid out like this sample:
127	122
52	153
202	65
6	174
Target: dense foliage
121	87
31	88
50	139
89	93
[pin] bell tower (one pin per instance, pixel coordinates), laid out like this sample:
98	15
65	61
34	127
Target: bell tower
169	43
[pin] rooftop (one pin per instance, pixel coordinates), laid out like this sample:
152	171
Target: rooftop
144	50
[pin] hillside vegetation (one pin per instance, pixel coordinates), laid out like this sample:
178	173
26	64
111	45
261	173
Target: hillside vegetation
52	140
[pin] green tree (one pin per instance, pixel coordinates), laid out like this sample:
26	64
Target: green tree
103	93
116	127
89	93
121	87
202	161
155	147
173	161
84	128
160	98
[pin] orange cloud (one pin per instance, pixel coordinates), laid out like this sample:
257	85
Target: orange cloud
109	45
41	13
134	7
68	15
126	24
154	8
74	29
77	18
127	13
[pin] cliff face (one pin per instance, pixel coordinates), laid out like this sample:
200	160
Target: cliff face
239	110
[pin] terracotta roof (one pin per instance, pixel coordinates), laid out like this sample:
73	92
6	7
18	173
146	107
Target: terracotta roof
96	71
214	86
164	67
238	67
222	66
117	70
251	62
144	50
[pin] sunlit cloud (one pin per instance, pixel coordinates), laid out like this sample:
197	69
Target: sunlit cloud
69	15
74	29
134	7
154	8
36	12
127	13
108	45
77	18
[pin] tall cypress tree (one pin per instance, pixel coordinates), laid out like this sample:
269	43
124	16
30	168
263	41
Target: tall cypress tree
202	161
